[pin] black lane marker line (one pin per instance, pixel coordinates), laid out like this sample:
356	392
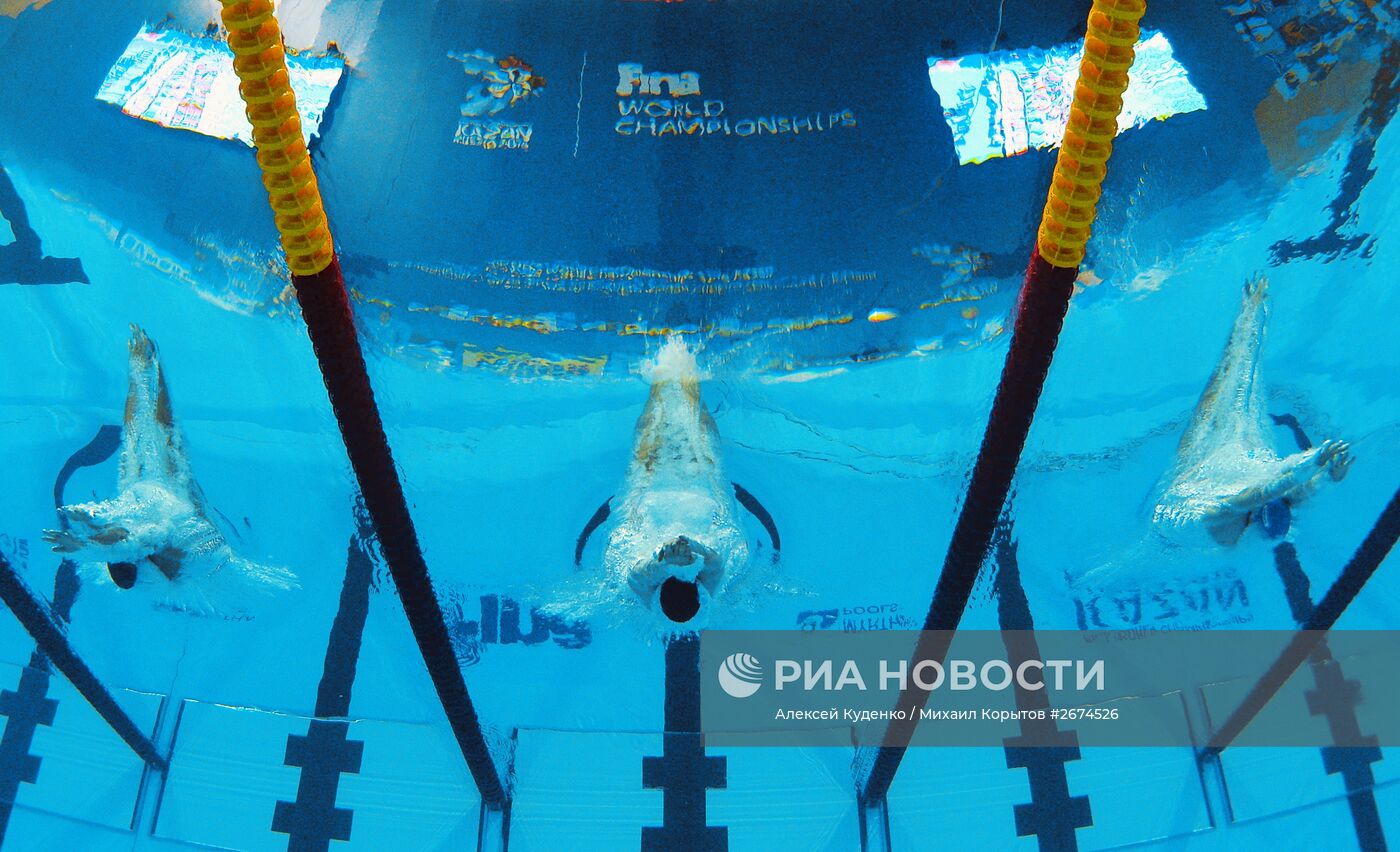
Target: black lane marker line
1336	698
1052	816
683	773
1368	557
325	751
30	705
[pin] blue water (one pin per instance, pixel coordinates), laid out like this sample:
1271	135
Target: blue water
856	436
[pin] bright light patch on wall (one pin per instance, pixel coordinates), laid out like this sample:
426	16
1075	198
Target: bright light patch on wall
185	81
1004	103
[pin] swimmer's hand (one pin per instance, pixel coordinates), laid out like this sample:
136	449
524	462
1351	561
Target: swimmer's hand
63	541
1335	456
676	552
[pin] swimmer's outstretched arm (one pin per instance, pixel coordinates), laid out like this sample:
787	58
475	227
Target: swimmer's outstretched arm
1335	471
1297	476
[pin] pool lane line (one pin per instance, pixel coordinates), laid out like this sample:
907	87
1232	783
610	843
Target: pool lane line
26	707
1353	578
325	751
683	772
39	620
259	61
1052	815
1080	168
1336	698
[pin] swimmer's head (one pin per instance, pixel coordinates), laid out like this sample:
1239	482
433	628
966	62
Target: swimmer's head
123	574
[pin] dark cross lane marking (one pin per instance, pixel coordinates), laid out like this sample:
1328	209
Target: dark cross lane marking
1052	816
29	707
325	751
1336	697
683	773
23	261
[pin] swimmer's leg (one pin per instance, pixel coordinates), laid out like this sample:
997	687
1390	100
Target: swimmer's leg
152	448
1229	406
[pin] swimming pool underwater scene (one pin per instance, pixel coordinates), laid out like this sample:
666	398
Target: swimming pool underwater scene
617	425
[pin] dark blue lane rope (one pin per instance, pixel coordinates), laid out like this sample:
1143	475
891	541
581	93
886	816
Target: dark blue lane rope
1052	816
312	821
30	705
330	323
1039	316
683	772
1368	557
37	618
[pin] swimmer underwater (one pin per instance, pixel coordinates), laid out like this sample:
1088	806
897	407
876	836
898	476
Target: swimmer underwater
156	535
1226	471
677	543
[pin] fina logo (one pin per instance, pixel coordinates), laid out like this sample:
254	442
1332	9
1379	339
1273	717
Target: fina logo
740	675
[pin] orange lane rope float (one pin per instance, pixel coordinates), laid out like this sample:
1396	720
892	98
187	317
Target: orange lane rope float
260	61
1041	306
